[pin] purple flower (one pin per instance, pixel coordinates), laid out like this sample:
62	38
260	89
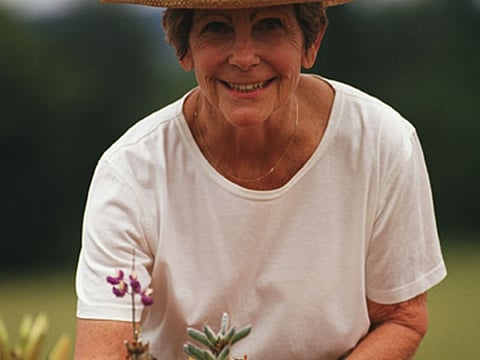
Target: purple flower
120	290
115	280
147	299
135	284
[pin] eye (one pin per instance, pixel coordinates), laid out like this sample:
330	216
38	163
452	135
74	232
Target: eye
270	24
215	27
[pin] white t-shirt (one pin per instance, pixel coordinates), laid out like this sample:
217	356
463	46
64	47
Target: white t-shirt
297	262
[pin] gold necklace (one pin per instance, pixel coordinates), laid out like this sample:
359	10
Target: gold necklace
248	180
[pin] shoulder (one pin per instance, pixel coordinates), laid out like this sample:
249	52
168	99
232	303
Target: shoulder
150	129
140	154
361	126
369	110
363	116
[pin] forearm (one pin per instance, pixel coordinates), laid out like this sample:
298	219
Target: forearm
396	330
388	341
102	340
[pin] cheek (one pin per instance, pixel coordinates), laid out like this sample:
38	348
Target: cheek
208	60
206	70
287	57
290	49
288	65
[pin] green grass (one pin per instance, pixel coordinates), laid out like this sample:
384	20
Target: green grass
454	306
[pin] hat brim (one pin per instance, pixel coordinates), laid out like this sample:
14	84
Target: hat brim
223	4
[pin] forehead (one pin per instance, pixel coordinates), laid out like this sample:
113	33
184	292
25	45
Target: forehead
250	13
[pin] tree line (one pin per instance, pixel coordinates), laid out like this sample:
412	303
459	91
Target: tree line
71	85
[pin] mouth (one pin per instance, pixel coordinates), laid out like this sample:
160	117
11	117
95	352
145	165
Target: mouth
247	87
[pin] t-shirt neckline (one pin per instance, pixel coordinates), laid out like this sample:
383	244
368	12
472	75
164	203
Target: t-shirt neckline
239	190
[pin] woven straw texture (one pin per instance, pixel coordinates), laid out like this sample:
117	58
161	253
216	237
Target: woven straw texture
224	4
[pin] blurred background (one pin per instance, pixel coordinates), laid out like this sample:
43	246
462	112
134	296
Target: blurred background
74	75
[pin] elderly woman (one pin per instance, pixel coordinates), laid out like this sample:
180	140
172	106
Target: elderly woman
297	204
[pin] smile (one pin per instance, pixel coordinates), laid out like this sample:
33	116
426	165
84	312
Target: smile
246	88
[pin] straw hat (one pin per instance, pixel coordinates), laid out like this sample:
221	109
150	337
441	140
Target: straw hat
224	4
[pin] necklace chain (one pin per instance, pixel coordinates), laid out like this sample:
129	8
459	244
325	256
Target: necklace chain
248	180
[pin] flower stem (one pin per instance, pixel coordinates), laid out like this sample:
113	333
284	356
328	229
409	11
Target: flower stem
134	325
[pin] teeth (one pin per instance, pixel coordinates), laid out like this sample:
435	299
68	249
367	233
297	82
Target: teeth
247	87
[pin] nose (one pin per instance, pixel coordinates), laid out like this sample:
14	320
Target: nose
244	52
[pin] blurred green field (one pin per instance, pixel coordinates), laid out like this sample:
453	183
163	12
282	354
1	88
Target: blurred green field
50	293
454	306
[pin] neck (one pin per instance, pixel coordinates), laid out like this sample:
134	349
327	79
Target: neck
256	146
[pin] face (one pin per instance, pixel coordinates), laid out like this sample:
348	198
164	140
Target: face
248	62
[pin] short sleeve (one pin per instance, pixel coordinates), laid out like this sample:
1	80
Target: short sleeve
404	257
114	224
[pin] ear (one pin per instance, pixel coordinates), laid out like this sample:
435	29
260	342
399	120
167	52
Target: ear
310	55
186	62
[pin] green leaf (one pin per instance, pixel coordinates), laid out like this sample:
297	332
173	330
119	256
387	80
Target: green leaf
242	333
199	336
224	353
224	324
212	338
193	351
228	336
208	356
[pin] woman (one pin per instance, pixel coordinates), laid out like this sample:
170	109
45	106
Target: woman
294	203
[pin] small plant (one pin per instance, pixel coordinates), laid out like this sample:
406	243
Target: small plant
136	349
32	333
219	345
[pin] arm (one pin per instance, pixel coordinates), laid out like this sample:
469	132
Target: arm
113	225
396	330
101	339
